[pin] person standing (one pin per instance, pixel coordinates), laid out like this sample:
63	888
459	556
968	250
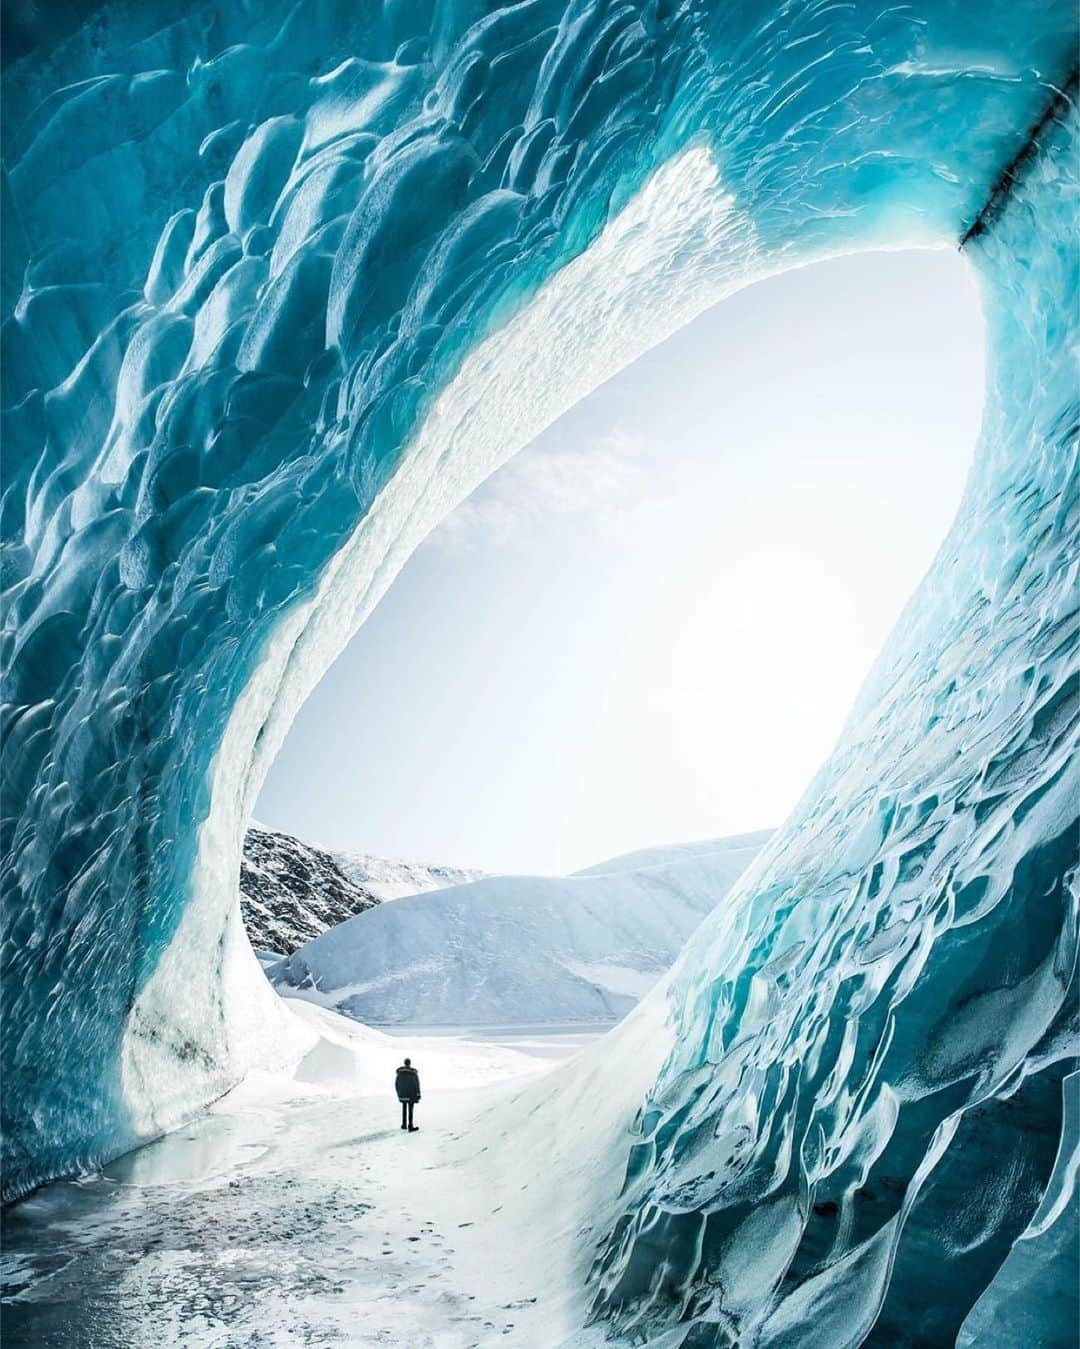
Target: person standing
407	1086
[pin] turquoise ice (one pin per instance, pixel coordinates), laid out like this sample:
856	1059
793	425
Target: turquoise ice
281	284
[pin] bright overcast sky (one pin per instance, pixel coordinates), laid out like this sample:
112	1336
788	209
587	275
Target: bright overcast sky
650	626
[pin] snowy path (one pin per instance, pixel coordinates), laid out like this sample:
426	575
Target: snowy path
297	1212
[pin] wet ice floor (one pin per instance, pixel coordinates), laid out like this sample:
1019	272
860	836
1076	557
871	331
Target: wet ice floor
280	1218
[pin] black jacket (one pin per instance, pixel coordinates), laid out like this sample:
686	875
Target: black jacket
407	1084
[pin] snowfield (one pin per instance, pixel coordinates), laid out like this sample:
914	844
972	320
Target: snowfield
520	949
296	1212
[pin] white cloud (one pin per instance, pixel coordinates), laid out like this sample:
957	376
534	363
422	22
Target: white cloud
605	480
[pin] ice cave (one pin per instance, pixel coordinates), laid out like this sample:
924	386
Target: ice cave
282	283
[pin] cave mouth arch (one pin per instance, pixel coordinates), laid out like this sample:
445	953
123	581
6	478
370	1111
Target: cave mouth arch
683	243
842	534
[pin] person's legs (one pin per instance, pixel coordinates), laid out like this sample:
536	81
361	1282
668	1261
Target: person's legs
406	1112
410	1114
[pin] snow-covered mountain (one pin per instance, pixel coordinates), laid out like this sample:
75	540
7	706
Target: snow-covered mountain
509	950
291	891
738	849
389	879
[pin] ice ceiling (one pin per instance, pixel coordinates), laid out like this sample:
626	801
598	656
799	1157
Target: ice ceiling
281	284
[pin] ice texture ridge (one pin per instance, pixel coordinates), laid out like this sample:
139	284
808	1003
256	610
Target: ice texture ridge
866	1099
282	283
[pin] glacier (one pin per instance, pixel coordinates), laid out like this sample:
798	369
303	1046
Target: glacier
519	950
281	285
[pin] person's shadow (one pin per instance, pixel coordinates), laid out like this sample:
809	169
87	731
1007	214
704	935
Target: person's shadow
365	1138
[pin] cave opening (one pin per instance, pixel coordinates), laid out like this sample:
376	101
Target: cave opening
636	641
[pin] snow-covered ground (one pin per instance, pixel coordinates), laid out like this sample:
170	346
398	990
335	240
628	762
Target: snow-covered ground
520	949
296	1211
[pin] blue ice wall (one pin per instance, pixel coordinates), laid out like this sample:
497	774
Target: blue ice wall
245	247
862	1136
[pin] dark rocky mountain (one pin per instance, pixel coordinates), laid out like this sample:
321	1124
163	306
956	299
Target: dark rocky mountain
290	891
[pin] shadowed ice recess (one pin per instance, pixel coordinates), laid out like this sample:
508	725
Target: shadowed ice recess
281	286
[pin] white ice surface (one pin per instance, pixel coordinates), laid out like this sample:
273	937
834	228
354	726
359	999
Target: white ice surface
296	1212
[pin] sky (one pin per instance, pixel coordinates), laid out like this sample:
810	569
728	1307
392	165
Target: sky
649	627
